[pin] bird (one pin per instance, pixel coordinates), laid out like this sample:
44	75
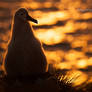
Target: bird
25	55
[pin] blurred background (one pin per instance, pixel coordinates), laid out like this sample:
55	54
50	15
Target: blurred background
65	30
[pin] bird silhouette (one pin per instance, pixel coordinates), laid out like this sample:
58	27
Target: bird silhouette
25	55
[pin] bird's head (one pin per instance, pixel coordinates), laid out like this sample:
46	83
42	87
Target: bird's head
22	14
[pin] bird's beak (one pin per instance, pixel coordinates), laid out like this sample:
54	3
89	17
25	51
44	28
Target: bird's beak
29	18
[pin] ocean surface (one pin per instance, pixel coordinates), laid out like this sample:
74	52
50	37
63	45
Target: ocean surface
65	30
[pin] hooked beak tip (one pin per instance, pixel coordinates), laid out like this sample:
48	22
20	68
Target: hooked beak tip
29	18
36	22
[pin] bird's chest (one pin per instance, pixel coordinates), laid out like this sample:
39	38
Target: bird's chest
25	48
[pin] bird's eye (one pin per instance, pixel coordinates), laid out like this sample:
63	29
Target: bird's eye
21	13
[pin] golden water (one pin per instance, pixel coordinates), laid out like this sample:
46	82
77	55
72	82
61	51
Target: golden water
65	27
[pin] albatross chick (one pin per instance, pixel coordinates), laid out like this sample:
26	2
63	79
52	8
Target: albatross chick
25	56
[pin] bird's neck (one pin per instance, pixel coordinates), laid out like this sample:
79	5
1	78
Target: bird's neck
21	29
